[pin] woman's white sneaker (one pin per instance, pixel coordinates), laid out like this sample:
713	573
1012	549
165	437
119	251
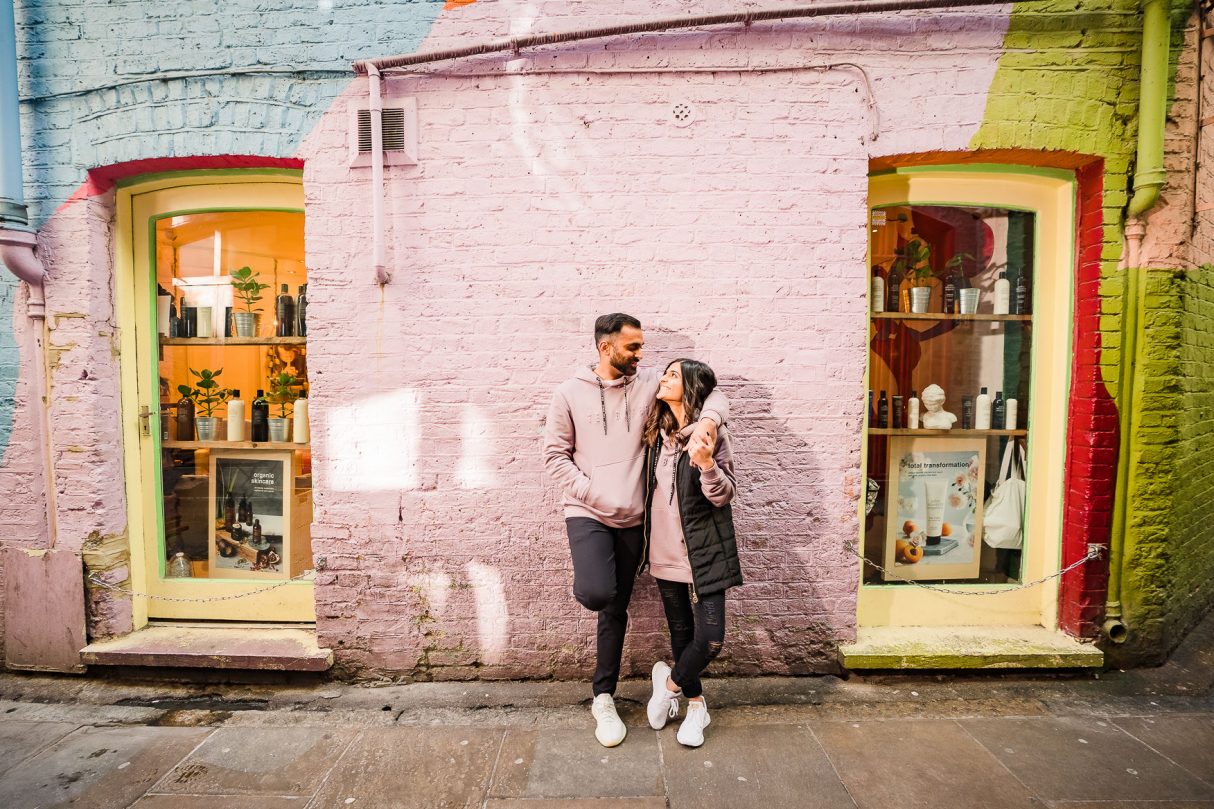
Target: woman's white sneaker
691	732
609	729
663	704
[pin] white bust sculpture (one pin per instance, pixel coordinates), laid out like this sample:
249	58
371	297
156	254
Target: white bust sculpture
934	417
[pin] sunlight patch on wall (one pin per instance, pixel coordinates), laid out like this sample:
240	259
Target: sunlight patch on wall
374	443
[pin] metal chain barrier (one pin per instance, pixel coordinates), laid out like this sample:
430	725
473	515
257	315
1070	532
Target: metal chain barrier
1094	552
305	575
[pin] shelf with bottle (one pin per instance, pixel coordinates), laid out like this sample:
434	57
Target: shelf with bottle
169	443
980	415
946	316
233	341
957	432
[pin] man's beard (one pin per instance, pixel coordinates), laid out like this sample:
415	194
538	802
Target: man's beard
625	367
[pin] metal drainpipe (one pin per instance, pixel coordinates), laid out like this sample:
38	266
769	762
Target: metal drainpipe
376	109
1149	177
17	244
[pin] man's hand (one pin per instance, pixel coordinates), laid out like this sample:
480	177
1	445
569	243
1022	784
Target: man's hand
702	443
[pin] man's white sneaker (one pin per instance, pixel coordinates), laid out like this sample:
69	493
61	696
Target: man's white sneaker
609	730
691	732
664	704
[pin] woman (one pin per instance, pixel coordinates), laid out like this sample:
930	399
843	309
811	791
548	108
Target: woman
689	539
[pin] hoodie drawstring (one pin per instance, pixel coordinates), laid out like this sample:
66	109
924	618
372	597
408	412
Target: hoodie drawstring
603	404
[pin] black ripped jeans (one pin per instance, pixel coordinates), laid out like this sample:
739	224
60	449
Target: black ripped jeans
697	633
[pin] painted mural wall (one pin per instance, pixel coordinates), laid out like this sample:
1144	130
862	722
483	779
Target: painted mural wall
551	186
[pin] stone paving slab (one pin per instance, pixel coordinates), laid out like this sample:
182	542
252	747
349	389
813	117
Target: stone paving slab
1065	758
97	767
210	802
567	764
20	740
918	763
404	768
1186	740
588	803
772	766
258	761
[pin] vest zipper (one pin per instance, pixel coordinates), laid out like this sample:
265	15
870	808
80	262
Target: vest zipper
645	526
695	599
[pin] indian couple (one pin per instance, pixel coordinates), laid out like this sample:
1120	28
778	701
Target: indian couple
644	462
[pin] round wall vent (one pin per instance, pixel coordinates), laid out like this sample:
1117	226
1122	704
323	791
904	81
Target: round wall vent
682	114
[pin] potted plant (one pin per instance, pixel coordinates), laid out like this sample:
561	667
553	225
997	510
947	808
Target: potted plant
248	289
282	393
207	395
954	281
915	262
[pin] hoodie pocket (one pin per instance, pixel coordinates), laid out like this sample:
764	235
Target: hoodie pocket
615	488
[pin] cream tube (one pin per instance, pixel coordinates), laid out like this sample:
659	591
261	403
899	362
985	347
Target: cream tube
934	491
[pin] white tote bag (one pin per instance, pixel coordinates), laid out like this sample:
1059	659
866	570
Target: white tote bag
1003	520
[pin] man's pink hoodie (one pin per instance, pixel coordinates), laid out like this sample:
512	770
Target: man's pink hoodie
599	467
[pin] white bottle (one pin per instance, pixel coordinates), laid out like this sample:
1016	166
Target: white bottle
300	431
236	417
912	411
1009	409
982	411
1003	294
878	294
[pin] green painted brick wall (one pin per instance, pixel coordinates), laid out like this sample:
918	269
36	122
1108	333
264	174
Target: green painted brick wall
1169	573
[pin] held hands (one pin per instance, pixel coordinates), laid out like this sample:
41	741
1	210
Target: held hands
702	443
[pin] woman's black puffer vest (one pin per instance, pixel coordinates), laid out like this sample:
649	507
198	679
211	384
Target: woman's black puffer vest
712	547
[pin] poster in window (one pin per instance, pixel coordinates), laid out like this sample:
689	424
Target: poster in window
250	526
936	492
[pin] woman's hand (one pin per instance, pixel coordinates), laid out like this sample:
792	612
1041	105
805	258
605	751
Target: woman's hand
699	449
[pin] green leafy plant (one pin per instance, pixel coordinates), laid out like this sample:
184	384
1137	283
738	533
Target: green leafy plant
914	261
207	393
247	287
958	262
282	391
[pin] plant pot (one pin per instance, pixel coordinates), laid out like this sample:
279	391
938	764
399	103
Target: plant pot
246	323
207	427
920	298
279	429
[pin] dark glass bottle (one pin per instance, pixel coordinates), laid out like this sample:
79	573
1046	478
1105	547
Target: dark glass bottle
999	412
882	410
967	412
893	290
872	414
1022	294
260	415
185	419
256	532
284	311
950	294
301	312
899	413
189	321
229	512
174	321
245	512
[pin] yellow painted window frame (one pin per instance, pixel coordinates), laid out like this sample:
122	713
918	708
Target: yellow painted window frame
1051	195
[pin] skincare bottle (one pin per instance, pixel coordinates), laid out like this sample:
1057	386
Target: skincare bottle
244	513
301	312
185	419
934	492
899	412
300	431
950	295
967	412
1009	422
229	512
256	532
284	313
188	327
878	292
1003	294
174	321
998	411
236	417
1022	295
982	411
163	301
882	410
872	414
893	290
261	417
912	411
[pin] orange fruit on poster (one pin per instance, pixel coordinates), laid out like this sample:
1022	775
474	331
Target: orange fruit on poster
946	530
912	554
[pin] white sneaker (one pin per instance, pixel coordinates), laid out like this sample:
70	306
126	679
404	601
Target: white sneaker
691	732
664	704
610	731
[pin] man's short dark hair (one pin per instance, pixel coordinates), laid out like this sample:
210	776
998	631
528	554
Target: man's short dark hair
607	325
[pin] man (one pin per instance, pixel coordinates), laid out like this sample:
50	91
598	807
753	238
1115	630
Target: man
593	451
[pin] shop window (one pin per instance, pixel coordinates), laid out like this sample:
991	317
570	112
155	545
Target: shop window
231	317
950	337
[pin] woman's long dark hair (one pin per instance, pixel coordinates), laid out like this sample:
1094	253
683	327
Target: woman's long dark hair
698	382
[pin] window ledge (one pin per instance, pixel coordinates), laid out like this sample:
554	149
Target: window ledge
228	647
964	647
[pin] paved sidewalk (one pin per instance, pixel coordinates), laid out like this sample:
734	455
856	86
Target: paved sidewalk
1127	739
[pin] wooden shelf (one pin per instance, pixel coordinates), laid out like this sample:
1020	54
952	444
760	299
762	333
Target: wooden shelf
278	445
964	433
233	341
943	316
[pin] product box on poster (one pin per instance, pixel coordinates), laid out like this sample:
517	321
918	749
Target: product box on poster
935	485
266	481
